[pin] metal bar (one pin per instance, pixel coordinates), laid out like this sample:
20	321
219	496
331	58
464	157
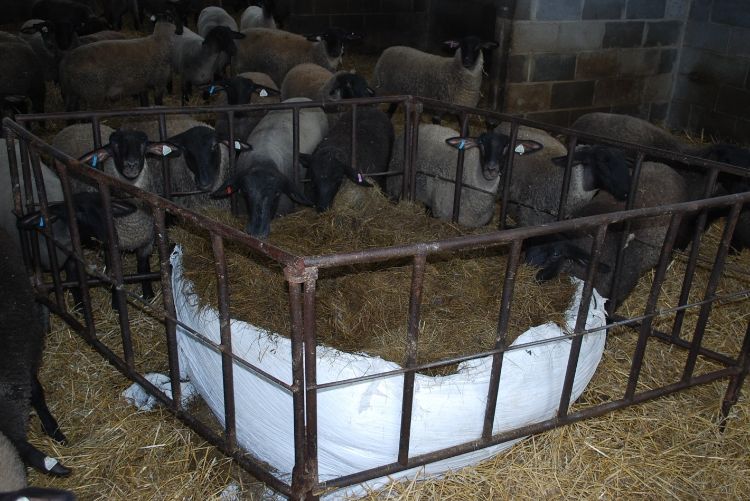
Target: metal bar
414	120
501	338
507	174
353	144
653	297
412	340
166	174
295	281
713	282
458	180
583	311
572	142
225	332
311	379
28	193
295	146
732	393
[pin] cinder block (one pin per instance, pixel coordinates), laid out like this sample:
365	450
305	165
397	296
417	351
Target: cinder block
710	67
599	64
618	91
534	37
521	98
634	110
657	88
333	6
559	10
700	10
658	112
572	94
603	9
734	12
523	10
663	33
518	69
677	9
733	101
678	116
638	62
580	36
699	93
645	9
709	36
623	34
667	59
739	42
561	118
548	67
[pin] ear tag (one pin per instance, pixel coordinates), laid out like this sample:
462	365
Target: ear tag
263	93
359	177
94	160
211	90
44	29
50	463
462	145
165	150
41	222
520	149
229	190
153	18
237	146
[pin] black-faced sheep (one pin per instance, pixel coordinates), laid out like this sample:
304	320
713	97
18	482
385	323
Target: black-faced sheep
436	162
264	175
13	479
332	160
319	84
111	69
456	80
22	339
275	52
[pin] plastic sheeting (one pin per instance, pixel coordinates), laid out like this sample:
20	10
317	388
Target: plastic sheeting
358	424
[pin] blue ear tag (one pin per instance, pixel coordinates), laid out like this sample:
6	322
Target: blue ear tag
41	222
211	90
462	144
359	177
94	160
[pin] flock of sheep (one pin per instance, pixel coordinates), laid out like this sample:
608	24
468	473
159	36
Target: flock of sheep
64	44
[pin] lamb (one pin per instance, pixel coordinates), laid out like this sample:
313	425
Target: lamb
275	52
20	71
332	159
112	69
263	175
258	16
122	157
319	84
22	339
240	90
659	184
197	60
456	80
437	158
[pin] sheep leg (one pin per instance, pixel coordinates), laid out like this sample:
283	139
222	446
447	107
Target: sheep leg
142	256
49	423
39	460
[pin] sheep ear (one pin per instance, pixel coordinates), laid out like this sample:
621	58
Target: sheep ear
297	196
489	45
236	35
370	92
561	161
353	36
35	219
213	89
264	91
163	149
527	147
96	157
356	177
462	143
452	44
314	37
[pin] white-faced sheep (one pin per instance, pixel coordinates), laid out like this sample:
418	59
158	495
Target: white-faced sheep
258	16
275	52
22	339
264	175
455	80
197	59
122	157
436	162
332	160
658	185
111	69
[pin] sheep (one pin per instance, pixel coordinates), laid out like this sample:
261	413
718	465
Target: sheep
69	19
436	159
37	33
240	90
111	69
115	9
332	159
122	157
198	59
275	52
263	175
659	184
258	16
22	339
21	72
13	478
212	16
456	80
319	84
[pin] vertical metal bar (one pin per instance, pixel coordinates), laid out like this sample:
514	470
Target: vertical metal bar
412	338
354	139
459	178
734	387
298	381
311	379
162	240
414	121
713	282
409	145
115	266
295	145
225	332
500	337
96	132
166	175
28	192
567	175
692	263
653	297
235	199
583	311
507	173
620	255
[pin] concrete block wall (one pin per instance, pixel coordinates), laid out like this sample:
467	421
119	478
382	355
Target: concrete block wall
570	57
712	88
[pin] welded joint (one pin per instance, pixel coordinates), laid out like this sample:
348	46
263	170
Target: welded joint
297	275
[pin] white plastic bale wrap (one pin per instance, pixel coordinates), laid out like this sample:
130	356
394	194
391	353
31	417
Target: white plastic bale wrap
358	424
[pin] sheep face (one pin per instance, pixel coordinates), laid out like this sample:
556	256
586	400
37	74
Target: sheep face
350	86
327	170
605	168
471	47
334	40
239	90
493	148
222	39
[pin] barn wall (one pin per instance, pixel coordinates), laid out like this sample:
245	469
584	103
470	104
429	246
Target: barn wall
570	57
712	91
